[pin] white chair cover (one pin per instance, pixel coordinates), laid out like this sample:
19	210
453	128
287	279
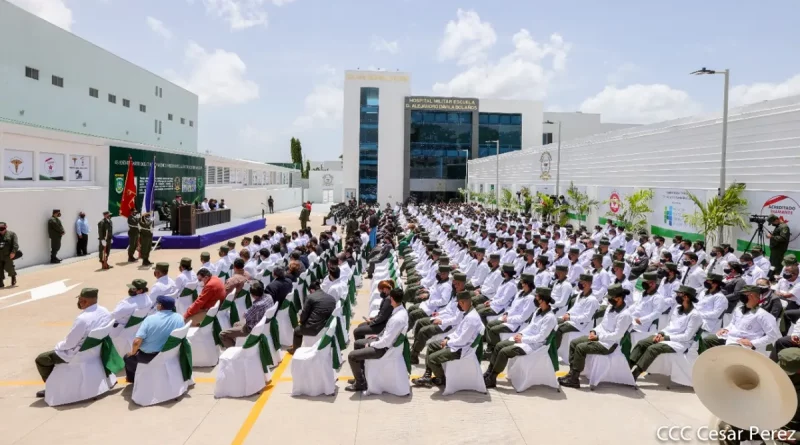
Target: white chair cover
531	369
390	372
224	315
611	368
678	365
161	380
242	371
205	351
184	297
240	300
566	339
464	374
314	368
285	325
123	336
83	377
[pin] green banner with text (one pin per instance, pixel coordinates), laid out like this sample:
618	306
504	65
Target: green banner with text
175	174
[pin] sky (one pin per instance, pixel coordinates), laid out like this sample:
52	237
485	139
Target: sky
269	70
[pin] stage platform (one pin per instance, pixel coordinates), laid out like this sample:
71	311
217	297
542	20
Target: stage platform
202	238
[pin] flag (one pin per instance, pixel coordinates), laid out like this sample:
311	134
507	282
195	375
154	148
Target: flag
149	195
128	201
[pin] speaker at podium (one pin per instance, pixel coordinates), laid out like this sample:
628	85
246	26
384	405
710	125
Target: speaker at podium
186	220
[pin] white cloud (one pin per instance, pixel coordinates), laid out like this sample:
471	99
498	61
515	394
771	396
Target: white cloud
216	77
466	39
621	73
323	107
251	135
525	73
757	92
157	26
641	104
54	11
282	2
240	14
379	44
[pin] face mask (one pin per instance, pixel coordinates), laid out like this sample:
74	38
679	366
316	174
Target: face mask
131	292
661	273
79	305
659	243
713	254
744	298
726	270
687	263
707	285
679	300
682	248
519	285
460	309
786	276
628	238
764	289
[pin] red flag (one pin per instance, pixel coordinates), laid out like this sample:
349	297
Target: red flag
128	201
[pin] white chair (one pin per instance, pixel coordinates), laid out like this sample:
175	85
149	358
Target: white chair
266	276
465	374
390	372
243	302
186	298
566	339
678	365
85	376
163	378
611	368
342	335
244	371
205	340
287	321
123	336
224	314
314	368
536	368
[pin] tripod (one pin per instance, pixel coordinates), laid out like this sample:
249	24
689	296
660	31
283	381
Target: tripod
759	237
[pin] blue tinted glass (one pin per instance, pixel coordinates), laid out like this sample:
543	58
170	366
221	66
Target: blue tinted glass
483	118
440	146
452	118
494	119
430	117
505	119
416	116
516	119
441	118
465	118
368	145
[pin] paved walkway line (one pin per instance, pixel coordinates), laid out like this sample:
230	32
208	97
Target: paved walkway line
120	381
255	411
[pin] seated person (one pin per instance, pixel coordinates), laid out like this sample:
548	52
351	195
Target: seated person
518	314
280	286
501	300
137	299
91	317
375	347
530	338
601	340
684	322
373	326
437	297
152	335
213	291
317	309
581	310
751	326
238	277
440	321
450	348
252	316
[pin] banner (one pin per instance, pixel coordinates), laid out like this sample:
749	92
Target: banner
18	165
610	199
80	168
51	167
669	207
175	174
783	205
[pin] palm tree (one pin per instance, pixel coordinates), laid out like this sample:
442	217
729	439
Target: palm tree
634	210
507	200
580	203
547	207
729	211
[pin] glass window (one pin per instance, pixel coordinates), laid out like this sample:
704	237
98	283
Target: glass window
416	116
516	119
494	119
483	118
369	97
505	119
452	118
430	117
368	145
440	145
441	118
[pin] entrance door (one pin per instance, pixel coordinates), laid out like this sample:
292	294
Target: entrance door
327	196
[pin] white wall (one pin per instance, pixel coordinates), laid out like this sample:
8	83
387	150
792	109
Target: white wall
316	181
26	40
576	125
247	202
531	111
394	87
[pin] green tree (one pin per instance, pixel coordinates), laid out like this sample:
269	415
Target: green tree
308	169
296	149
547	207
580	203
507	200
634	209
728	211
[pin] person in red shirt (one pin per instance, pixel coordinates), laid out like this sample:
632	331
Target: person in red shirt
213	291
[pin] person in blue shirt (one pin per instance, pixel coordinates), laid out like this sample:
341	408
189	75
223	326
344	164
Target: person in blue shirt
82	229
152	335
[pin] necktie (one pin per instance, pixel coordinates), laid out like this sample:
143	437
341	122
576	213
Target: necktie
685	276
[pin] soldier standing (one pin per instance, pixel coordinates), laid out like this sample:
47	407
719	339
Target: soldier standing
133	235
8	250
305	214
105	232
176	203
146	237
55	231
778	244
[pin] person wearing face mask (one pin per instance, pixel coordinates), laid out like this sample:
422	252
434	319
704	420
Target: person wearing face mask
491	283
562	290
585	258
602	279
760	260
716	263
441	321
55	231
82	231
639	262
647	308
319	306
675	248
436	298
137	299
581	310
712	303
699	249
770	301
733	284
678	336
575	267
789	288
751	271
213	291
729	253
520	311
750	327
692	274
615	241
619	256
502	299
478	269
530	266
560	258
658	249
105	233
532	337
541	276
778	242
616	322
619	277
164	285
92	316
9	246
630	244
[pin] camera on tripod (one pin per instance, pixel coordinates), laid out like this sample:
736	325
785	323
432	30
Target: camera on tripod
758	219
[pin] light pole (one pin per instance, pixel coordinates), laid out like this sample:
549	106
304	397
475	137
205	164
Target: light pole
466	181
497	174
726	72
558	157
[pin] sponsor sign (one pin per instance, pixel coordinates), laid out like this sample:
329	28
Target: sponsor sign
18	165
80	168
51	167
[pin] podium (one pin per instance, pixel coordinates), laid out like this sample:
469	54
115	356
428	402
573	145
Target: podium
186	220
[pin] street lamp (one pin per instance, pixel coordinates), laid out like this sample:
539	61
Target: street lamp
726	72
558	157
497	173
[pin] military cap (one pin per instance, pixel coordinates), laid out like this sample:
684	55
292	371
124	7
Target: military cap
544	293
714	277
544	259
616	290
773	218
508	268
746	257
494	257
464	295
431	245
458	276
597	256
671	266
88	292
690	291
789	260
586	277
444	268
509	239
620	264
650	276
562	268
247	238
480	250
559	245
574	250
527	277
225	249
470	287
544	240
186	262
530	252
622	251
106	213
757	249
521	246
789	360
605	242
436	252
444	260
231	243
205	256
162	267
137	284
536	235
750	288
56	211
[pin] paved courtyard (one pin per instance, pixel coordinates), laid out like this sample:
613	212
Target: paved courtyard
39	311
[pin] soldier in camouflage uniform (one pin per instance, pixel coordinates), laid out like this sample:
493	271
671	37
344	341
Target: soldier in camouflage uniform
146	238
105	233
133	235
55	230
8	250
778	244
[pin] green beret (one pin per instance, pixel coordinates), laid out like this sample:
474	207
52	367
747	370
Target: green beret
597	256
750	288
544	259
225	249
562	268
88	292
444	260
622	251
587	277
464	295
715	277
162	267
205	256
789	260
231	244
650	276
138	284
444	268
574	250
494	257
620	264
772	218
690	291
671	266
508	268
789	360
470	287
458	276
530	252
436	252
616	290
186	262
605	242
543	291
527	277
559	245
480	250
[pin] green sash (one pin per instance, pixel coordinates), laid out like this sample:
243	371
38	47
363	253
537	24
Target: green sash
328	341
305	288
296	302
625	344
184	355
477	344
263	350
342	341
215	327
700	345
347	312
246	295
133	321
112	362
551	350
223	275
186	292
292	312
403	340
267	273
275	333
234	311
351	290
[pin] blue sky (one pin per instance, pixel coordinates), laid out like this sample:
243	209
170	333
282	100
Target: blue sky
268	70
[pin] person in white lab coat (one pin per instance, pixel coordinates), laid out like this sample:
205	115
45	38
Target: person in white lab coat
581	310
684	323
751	326
91	317
502	298
616	322
491	283
711	303
751	271
532	337
138	298
692	272
510	321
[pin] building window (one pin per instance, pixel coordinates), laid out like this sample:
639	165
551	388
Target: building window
58	81
226	175
32	73
191	123
169	117
506	128
183	121
211	175
94	93
126	103
440	144
143	108
219	175
158	91
368	146
156	126
112	98
159	127
547	138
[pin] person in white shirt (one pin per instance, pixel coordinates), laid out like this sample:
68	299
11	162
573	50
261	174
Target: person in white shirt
374	347
530	338
585	259
692	273
164	285
760	260
491	283
717	263
559	258
712	303
581	311
630	244
675	338
137	299
249	263
232	252
501	300
184	278
647	308
788	288
541	276
223	266
751	326
520	311
602	279
435	298
699	249
616	322
656	251
204	205
751	271
91	317
575	267
562	290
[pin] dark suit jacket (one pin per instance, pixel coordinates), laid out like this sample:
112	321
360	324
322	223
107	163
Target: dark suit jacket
731	291
317	309
279	289
772	304
384	313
